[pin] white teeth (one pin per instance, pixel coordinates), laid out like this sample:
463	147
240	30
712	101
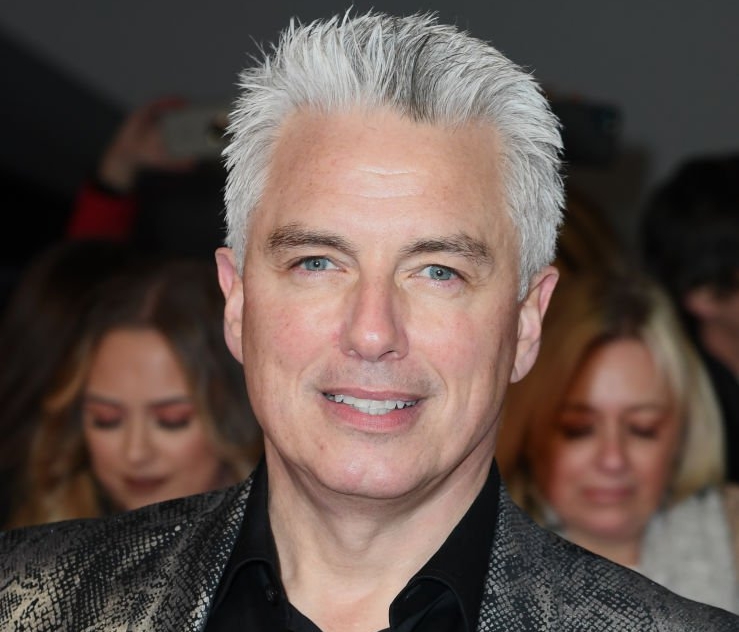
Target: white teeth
371	406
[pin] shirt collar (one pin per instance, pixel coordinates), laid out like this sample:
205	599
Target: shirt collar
463	560
461	563
255	542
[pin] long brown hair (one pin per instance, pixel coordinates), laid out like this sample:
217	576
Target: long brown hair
41	323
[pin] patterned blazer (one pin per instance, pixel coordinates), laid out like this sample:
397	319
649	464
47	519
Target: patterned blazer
157	568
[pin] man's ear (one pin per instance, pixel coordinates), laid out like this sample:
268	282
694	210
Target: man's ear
530	317
233	290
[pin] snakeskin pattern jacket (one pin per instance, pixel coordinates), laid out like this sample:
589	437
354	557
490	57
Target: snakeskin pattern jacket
157	569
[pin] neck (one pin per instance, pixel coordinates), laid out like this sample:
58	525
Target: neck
343	560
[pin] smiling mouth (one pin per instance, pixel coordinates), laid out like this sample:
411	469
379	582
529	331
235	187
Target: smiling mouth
370	406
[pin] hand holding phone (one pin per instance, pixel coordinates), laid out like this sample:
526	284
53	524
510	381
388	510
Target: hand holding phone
139	144
195	131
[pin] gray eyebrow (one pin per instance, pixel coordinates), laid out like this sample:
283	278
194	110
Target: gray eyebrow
295	236
461	244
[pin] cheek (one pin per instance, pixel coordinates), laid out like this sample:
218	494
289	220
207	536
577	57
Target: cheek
277	333
462	338
559	468
472	350
194	467
189	453
280	345
657	463
103	447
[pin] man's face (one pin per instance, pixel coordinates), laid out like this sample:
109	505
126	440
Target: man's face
377	319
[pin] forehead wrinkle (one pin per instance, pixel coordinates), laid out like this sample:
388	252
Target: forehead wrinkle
384	171
376	181
296	235
460	244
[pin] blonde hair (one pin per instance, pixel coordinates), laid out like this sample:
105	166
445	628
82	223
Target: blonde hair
59	483
585	313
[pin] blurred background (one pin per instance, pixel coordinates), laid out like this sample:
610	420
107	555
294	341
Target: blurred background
638	85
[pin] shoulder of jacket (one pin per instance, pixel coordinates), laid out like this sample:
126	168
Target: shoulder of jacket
537	578
141	568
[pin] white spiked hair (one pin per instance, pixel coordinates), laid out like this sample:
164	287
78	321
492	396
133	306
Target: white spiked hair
425	71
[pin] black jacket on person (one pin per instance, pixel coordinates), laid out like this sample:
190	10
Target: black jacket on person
158	568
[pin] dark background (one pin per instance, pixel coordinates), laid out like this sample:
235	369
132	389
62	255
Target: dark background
70	70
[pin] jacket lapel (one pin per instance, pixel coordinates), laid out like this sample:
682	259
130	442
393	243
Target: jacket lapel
195	565
518	592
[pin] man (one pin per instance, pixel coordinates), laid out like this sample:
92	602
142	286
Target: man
393	201
690	242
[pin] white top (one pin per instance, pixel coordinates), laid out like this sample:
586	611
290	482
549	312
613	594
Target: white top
688	549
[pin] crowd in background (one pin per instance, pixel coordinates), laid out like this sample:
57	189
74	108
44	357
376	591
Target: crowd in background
118	389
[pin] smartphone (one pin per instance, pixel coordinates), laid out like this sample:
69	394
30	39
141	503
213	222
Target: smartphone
196	130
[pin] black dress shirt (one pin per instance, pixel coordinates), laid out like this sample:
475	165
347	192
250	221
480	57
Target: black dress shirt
443	596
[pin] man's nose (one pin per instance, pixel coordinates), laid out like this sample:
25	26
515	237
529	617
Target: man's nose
374	328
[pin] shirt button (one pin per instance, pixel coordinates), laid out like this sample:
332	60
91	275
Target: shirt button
272	595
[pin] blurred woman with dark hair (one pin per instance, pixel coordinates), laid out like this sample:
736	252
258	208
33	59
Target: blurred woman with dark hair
149	404
41	323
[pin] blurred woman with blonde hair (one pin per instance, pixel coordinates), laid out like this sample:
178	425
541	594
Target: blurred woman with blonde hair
614	439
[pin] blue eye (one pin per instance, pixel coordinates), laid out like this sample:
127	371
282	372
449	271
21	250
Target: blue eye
439	273
316	264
